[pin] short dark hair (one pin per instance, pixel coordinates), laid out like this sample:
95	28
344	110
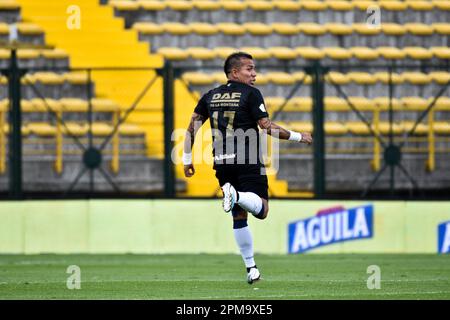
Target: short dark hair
234	61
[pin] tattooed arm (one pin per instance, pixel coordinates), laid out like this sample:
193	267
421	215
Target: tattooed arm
197	121
274	129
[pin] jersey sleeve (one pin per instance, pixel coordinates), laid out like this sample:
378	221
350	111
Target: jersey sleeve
257	105
202	108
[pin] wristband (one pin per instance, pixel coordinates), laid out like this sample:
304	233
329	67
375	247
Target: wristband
295	136
187	158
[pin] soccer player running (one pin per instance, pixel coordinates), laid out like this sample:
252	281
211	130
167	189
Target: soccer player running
235	110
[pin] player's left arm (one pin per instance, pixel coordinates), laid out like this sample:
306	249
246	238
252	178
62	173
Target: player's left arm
274	129
197	120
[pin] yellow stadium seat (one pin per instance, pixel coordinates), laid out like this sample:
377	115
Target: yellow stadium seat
76	77
314	5
417	78
173	53
29	28
357	128
230	28
441	127
301	104
363	5
104	105
152	5
420	129
257	28
261	5
9	5
179	5
337	78
311	28
4	28
391	5
442	28
40	105
364	29
281	78
148	28
220	77
204	29
129	129
274	103
206	5
3	81
24	129
339	5
361	77
385	77
419	29
5	54
385	128
362	103
283	53
261	79
310	53
201	53
418	53
337	53
257	53
285	28
27	54
393	29
54	53
198	78
414	103
441	5
440	77
287	5
391	53
364	53
384	103
339	29
335	128
300	75
442	103
176	28
335	104
418	5
50	78
28	79
74	105
224	52
41	129
75	129
301	126
101	129
441	52
124	5
233	5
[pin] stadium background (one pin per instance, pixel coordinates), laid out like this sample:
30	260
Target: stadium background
98	87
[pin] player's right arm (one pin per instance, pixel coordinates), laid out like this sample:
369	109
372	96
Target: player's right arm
196	122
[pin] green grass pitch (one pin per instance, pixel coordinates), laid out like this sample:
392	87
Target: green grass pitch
310	276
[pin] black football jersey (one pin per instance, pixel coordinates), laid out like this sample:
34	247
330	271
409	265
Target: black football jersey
233	110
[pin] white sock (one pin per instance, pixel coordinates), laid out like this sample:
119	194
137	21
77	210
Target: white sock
250	202
244	241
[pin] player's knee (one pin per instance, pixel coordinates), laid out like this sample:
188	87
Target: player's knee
240	215
266	209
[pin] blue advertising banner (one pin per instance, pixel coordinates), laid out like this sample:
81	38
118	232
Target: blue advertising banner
330	226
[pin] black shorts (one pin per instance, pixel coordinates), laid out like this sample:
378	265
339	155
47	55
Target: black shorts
244	178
